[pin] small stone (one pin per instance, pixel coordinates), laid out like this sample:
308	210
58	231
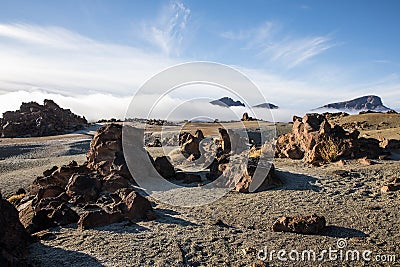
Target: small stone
341	163
365	161
44	235
259	263
311	224
390	188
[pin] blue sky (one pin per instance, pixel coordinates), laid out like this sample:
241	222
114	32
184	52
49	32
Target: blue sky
302	54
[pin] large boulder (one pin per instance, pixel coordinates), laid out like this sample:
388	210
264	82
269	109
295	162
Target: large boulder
97	218
33	119
105	154
127	205
83	186
251	177
266	177
189	144
48	212
59	176
258	173
14	239
164	167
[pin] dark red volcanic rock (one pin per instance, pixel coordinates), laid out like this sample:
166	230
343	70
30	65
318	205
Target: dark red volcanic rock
96	193
14	239
314	140
33	119
311	224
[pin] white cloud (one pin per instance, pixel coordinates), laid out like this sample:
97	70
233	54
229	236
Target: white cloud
62	61
292	52
92	106
168	31
274	46
255	37
97	79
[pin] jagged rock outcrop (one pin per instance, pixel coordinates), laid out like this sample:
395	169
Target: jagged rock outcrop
258	173
314	140
14	239
33	119
246	117
96	193
105	154
189	144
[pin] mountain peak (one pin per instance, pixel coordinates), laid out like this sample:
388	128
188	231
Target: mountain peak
266	105
227	102
368	102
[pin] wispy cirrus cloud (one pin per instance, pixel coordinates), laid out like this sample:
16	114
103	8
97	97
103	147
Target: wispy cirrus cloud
254	37
293	52
167	32
270	42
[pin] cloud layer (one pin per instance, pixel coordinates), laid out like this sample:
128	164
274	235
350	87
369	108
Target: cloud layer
97	79
58	60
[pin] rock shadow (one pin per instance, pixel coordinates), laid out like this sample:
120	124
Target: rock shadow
42	255
18	150
297	181
342	232
78	147
164	216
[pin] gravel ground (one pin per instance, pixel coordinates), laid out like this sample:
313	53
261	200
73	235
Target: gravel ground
354	207
21	163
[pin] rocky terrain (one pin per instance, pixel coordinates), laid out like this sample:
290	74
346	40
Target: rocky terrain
85	207
314	140
33	119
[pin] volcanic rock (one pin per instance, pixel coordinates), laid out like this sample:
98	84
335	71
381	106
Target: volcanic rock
311	224
225	141
83	185
189	144
246	117
33	119
96	193
314	140
105	155
164	167
48	212
394	185
14	239
97	218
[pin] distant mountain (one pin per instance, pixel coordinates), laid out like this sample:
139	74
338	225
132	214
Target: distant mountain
266	105
370	102
227	102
